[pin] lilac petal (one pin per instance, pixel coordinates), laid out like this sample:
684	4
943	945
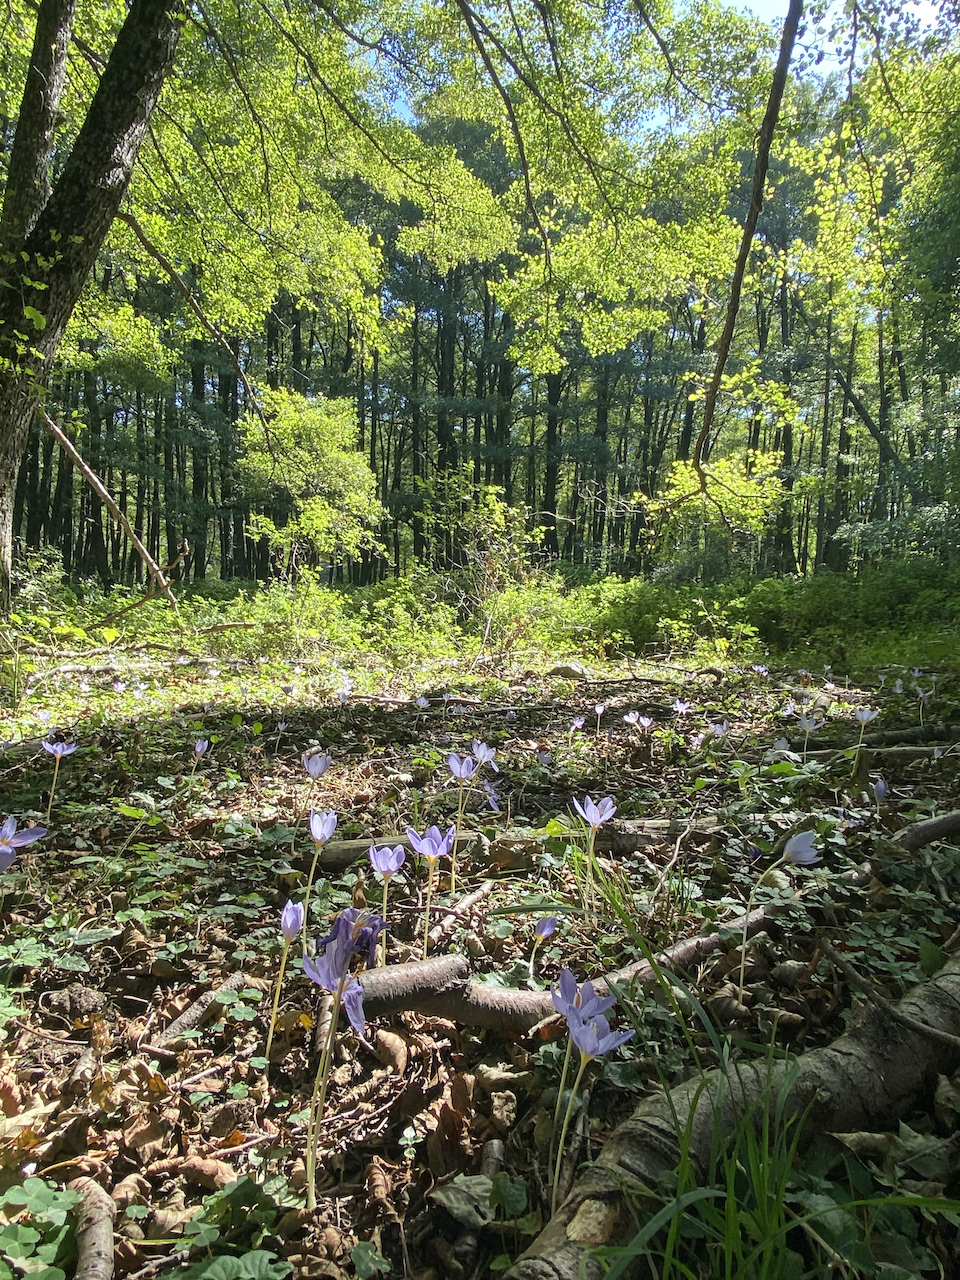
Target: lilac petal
352	999
291	920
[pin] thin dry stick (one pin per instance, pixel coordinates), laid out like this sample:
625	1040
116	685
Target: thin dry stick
103	493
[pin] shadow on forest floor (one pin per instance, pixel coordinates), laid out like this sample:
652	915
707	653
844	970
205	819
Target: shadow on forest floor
164	873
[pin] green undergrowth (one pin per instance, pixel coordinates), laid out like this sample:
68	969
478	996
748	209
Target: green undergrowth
895	612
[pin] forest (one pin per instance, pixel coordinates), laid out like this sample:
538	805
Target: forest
479	653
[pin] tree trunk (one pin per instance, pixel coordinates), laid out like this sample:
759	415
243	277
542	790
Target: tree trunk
51	253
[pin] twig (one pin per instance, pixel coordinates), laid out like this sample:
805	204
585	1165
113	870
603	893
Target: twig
856	979
201	1009
94	1231
461	909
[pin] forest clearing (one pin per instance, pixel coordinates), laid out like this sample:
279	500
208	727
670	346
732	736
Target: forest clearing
478	640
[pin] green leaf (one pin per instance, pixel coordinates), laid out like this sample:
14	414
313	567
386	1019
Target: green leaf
37	318
932	958
508	1195
367	1260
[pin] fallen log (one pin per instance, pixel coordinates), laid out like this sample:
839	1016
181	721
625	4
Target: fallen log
864	1080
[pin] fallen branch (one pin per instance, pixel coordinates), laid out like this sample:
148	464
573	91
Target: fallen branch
157	579
864	1080
94	1231
201	1010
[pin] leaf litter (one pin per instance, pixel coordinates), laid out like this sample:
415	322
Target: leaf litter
141	940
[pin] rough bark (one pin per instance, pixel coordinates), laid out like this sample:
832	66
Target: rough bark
50	255
864	1080
94	1231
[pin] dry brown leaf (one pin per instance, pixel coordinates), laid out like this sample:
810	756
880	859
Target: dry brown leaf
212	1174
132	1189
446	1152
11	1095
503	1110
146	1134
391	1050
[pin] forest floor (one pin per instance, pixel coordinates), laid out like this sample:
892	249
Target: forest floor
162	877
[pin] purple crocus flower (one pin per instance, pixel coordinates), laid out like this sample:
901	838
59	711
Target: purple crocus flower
200	747
680	706
800	849
576	723
645	722
432	845
316	763
354	929
59	749
574	1001
632	718
485	755
291	920
594	1037
595	815
422	702
351	993
720	729
322	825
865	714
493	796
880	791
461	767
545	927
11	840
387	861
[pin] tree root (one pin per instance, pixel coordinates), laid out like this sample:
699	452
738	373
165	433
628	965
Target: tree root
94	1231
864	1080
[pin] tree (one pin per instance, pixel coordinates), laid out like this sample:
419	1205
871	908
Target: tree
51	234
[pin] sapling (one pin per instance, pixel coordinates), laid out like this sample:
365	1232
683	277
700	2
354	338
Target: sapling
58	750
291	926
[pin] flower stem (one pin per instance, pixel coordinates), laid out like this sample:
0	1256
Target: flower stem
53	785
453	851
426	913
276	1001
746	920
563	1132
306	899
319	1097
383	915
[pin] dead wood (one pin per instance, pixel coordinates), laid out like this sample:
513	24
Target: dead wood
864	1080
202	1010
158	581
441	985
919	834
94	1231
